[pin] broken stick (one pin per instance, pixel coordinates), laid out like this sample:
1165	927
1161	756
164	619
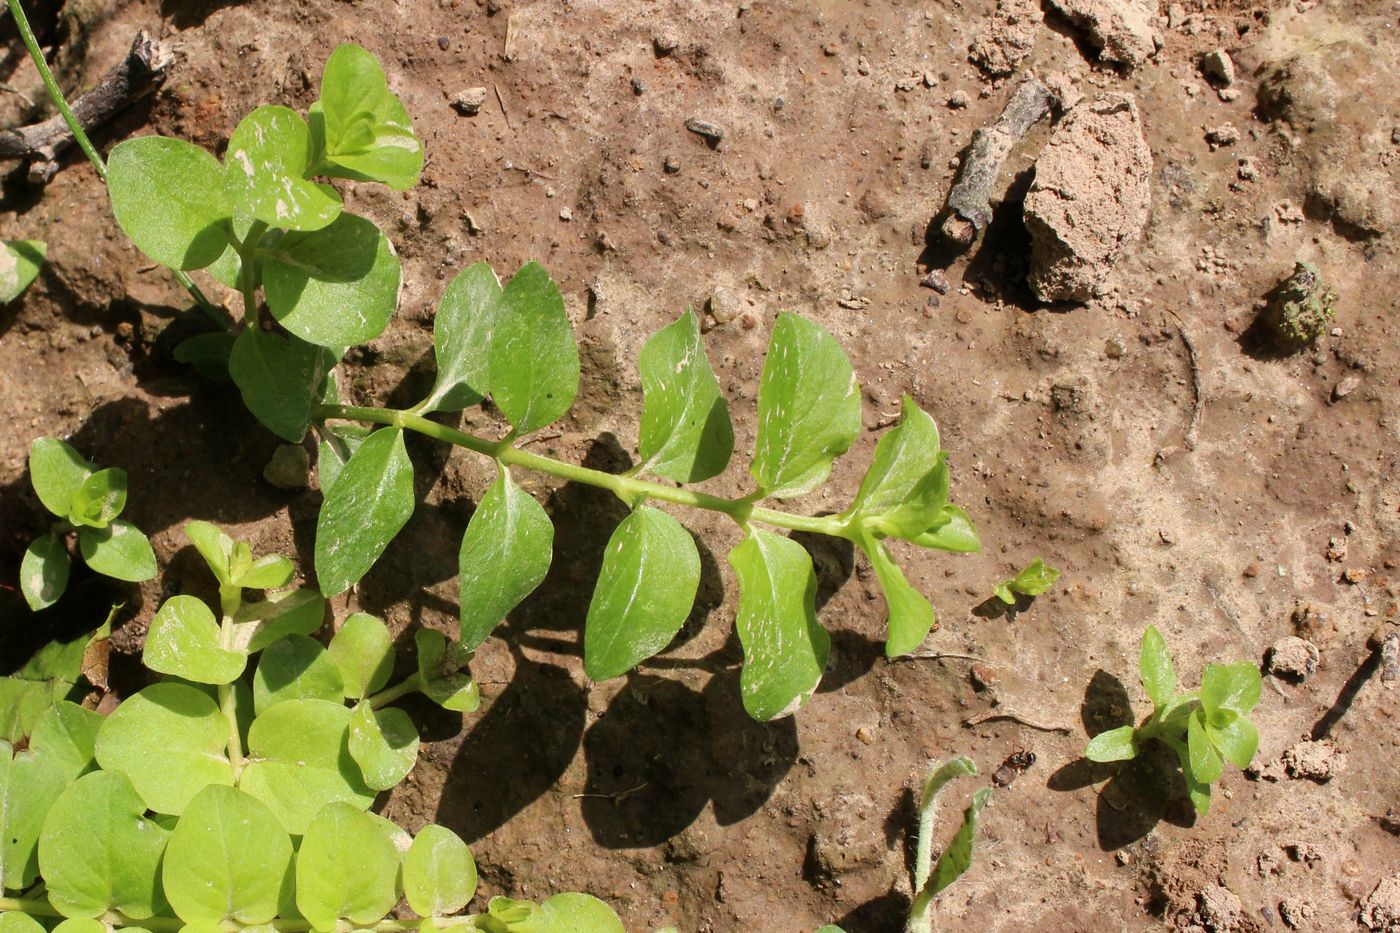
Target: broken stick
969	207
142	68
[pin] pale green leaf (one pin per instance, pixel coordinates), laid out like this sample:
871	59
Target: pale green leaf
567	913
1033	580
267	572
119	551
262	623
439	873
169	739
67	733
299	761
264	172
785	648
1114	745
505	553
1237	741
184	640
645	590
371	500
99	499
910	614
347	867
363	650
50	675
953	531
99	852
957	857
214	546
903	457
921	509
1232	687
686	434
384	743
228	860
1206	764
278	378
30	782
43	573
12	921
462	338
295	668
1156	667
57	471
442	673
20	262
168	196
367	134
334	287
534	358
808	408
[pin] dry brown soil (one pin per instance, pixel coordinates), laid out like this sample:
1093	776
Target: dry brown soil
656	792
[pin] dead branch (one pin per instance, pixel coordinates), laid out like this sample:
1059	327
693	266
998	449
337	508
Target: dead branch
129	80
969	207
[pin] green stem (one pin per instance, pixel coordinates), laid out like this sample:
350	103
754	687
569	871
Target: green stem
228	698
390	694
40	907
247	277
626	487
80	136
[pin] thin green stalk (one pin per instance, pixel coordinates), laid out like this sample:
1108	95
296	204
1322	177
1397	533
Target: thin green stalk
248	278
624	486
390	694
80	136
231	599
40	907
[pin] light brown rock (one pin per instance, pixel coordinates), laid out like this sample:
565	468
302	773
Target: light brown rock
1380	912
1005	42
1122	30
1089	199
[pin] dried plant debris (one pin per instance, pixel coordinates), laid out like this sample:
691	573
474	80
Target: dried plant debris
1300	309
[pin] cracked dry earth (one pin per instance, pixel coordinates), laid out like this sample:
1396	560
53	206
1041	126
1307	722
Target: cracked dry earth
1070	425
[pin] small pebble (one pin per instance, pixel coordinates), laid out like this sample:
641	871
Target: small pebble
638	87
712	133
982	676
565	214
936	280
1293	658
1347	385
865	734
959	100
468	103
444	43
289	468
1251	570
1219	65
664	43
670	165
725	305
1223	135
863	65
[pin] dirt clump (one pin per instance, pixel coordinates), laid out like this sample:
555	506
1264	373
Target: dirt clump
1380	912
1121	30
1293	658
1005	42
1090	198
1317	761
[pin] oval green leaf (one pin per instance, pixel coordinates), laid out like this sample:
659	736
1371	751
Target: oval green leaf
334	287
370	501
295	668
462	335
384	743
505	553
228	860
534	357
1113	745
99	499
43	574
686	434
363	651
168	196
910	614
808	408
439	873
119	551
30	782
785	648
99	852
279	378
646	588
264	172
184	640
169	740
57	471
347	868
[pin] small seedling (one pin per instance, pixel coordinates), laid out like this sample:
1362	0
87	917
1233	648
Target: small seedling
1033	580
20	262
1205	728
88	501
930	877
224	798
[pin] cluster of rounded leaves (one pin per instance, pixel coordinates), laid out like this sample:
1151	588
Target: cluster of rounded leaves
215	800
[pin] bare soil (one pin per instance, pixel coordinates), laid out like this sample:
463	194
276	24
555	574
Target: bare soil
843	122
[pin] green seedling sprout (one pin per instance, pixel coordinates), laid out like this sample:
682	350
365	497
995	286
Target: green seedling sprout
1033	580
87	501
233	794
316	279
1205	728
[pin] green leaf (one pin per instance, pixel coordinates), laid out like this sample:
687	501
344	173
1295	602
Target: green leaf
168	196
98	852
384	743
279	377
346	868
334	287
562	913
99	499
1197	791
337	445
921	509
1114	745
462	338
506	551
957	858
184	640
441	672
910	614
299	761
903	457
953	532
265	168
68	734
30	782
370	501
43	574
260	624
1206	764
646	588
267	572
208	354
808	408
1156	667
86	925
169	740
534	359
57	471
1237	741
960	766
367	133
20	262
1230	687
214	546
363	650
119	551
1033	580
295	668
49	676
686	434
228	859
439	873
15	922
785	648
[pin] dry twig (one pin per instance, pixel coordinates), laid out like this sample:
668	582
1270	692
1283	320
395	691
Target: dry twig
1014	717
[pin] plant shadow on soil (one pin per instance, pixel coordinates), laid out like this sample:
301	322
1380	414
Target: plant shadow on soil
1139	793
